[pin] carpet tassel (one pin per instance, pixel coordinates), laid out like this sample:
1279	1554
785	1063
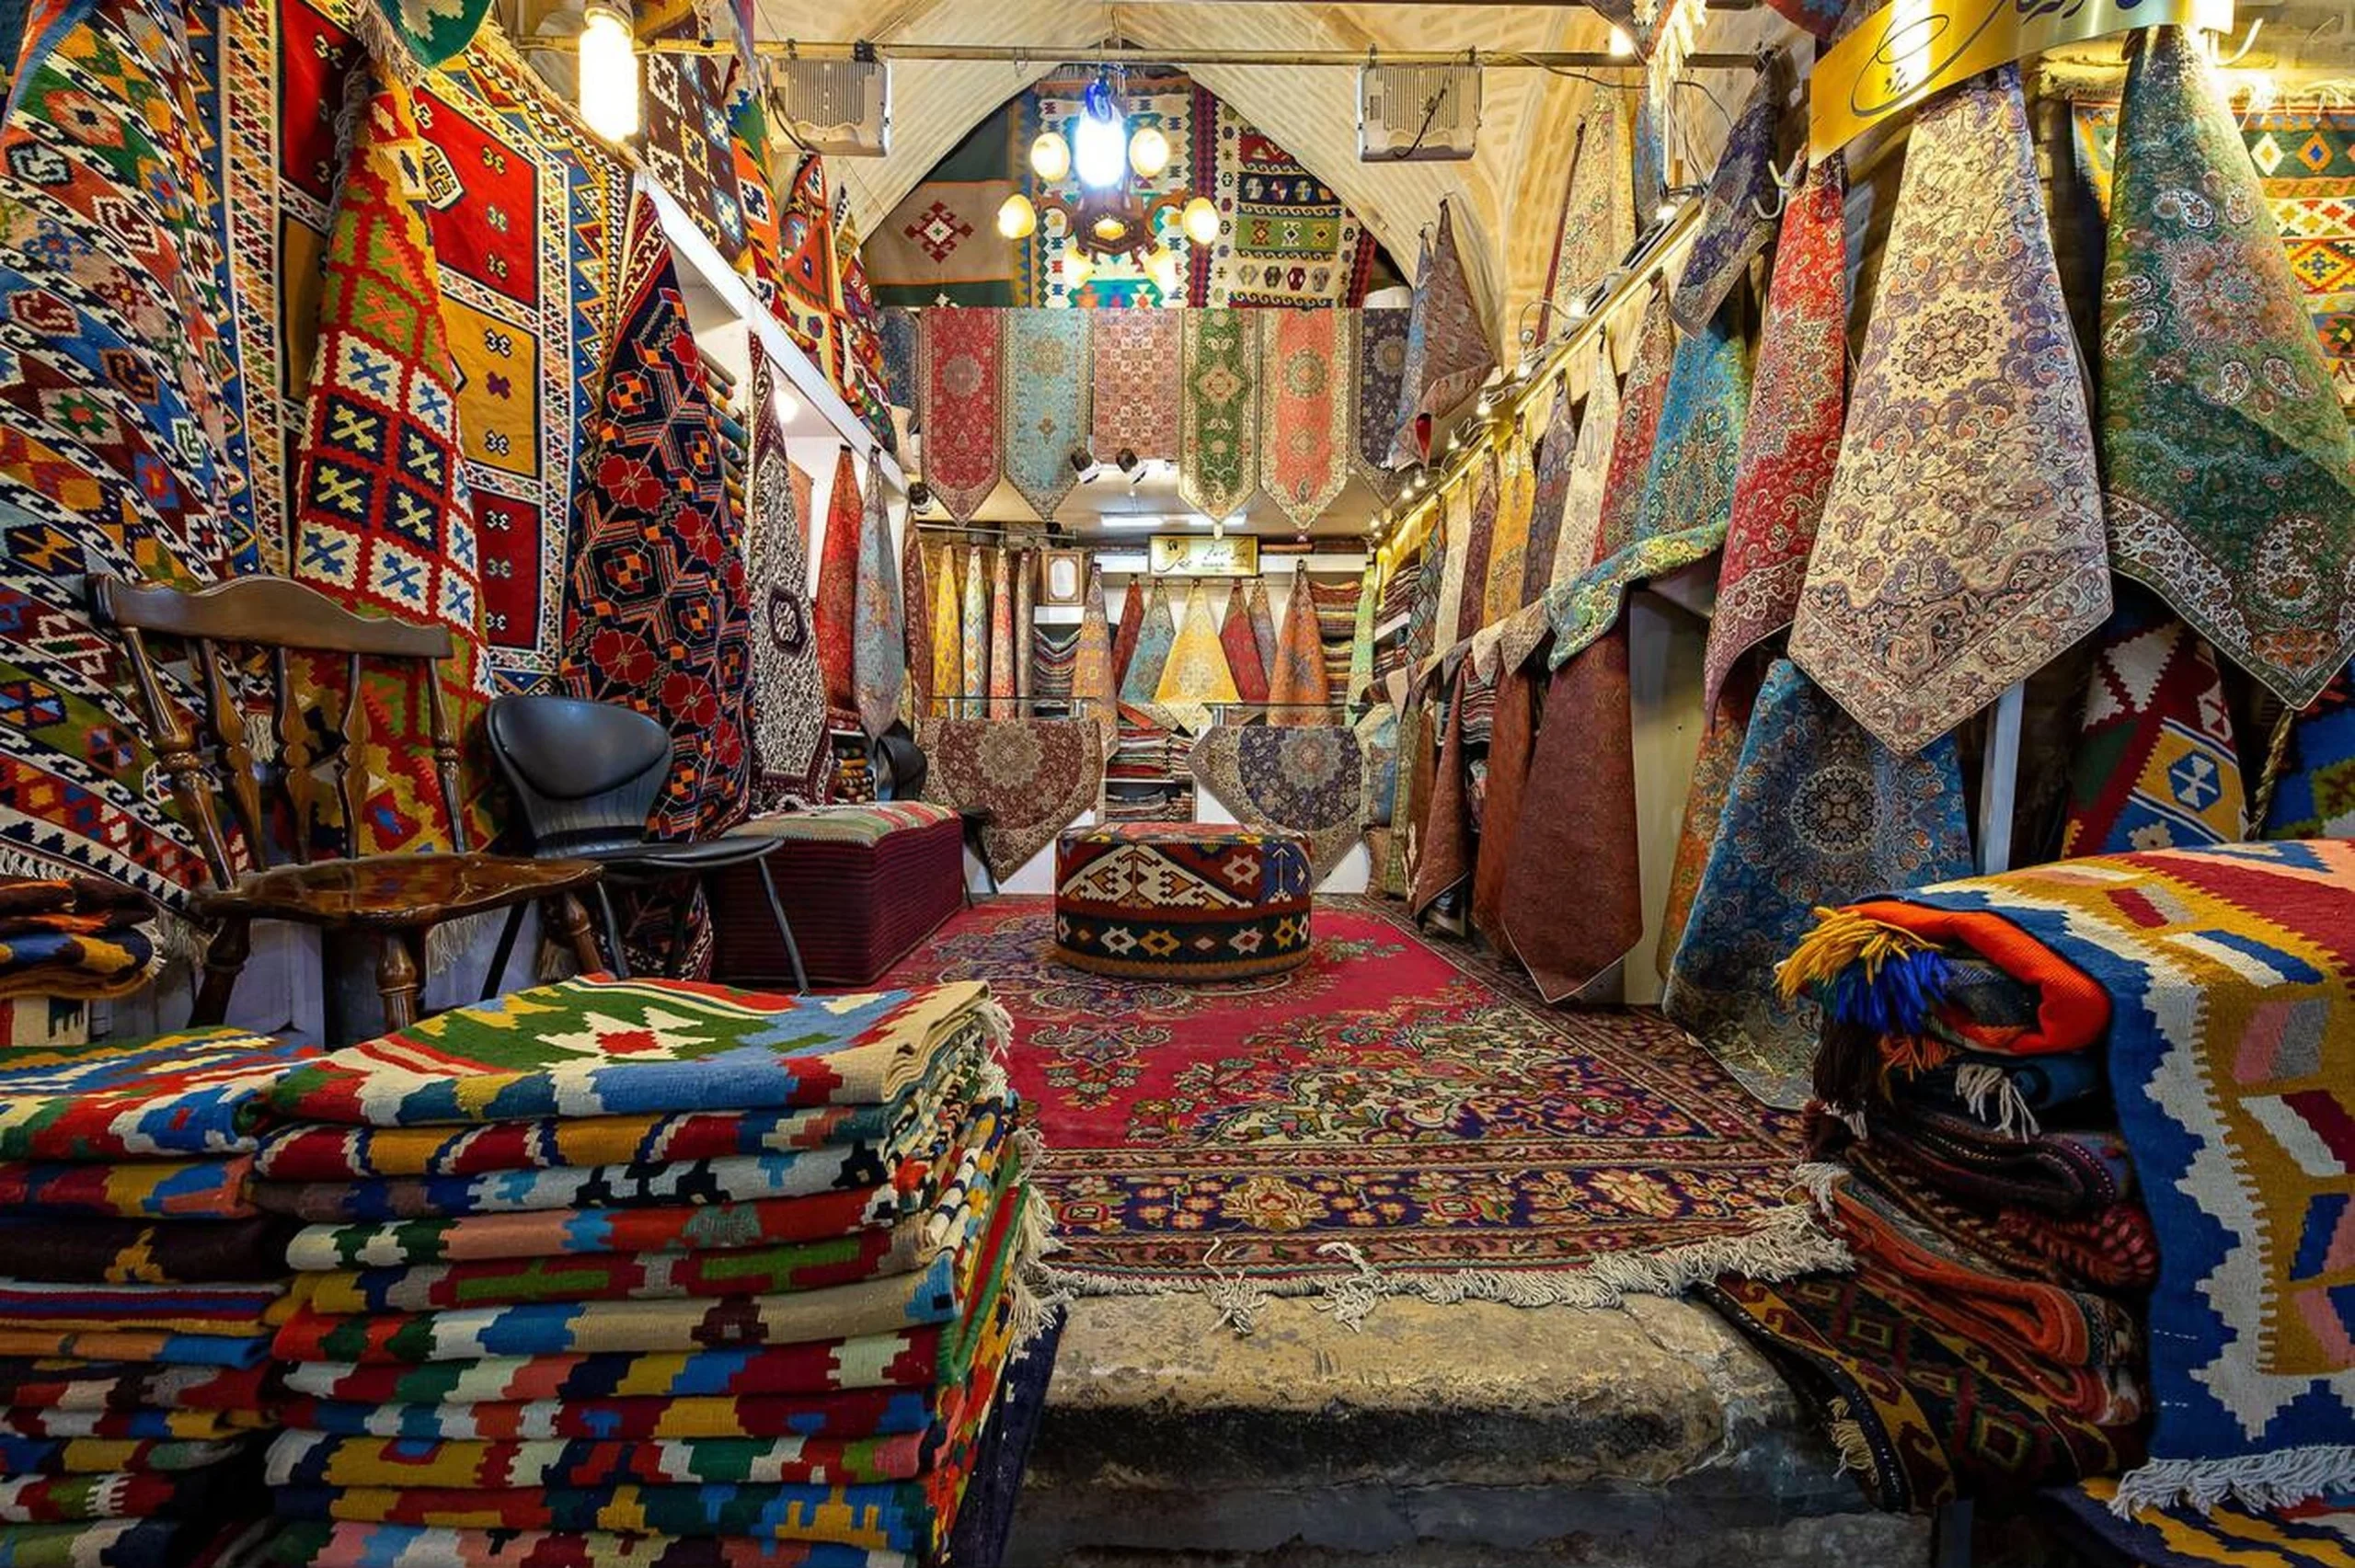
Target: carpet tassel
2260	1481
1977	1082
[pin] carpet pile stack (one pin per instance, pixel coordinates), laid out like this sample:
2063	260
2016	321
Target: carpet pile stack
648	1272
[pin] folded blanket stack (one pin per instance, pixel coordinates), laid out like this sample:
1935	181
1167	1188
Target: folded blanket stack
141	1285
648	1272
74	937
2097	1123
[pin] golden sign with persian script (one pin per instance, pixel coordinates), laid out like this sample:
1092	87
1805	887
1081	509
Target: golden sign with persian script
1200	555
1908	50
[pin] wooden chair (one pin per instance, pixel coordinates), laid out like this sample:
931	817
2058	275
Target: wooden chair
398	898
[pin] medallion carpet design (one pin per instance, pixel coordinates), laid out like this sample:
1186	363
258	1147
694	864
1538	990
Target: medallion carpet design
1033	776
1307	779
1408	1103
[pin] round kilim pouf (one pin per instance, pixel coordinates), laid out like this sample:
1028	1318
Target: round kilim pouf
1182	901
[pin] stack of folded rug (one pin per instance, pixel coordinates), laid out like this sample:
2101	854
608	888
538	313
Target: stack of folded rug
65	942
135	1316
648	1272
2054	1091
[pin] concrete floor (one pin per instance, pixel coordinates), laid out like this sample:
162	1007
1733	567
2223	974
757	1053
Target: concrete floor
1456	1436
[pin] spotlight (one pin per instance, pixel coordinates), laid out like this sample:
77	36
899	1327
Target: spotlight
1080	459
919	496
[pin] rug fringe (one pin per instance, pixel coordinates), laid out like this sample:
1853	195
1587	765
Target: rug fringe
1976	1082
1786	1241
2275	1480
1848	1437
1819	1178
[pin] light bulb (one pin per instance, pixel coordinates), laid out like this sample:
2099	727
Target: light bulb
1050	158
1163	266
609	74
1077	270
1148	152
1667	211
1622	46
1017	219
1199	221
1099	152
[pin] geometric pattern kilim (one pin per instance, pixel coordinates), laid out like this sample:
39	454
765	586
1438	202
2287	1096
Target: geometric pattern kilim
1182	901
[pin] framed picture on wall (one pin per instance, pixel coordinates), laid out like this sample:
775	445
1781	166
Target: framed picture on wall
1062	577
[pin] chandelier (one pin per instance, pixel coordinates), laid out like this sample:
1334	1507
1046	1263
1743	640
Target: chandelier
1114	212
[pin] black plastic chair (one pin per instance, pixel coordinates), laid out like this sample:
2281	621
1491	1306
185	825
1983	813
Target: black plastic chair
585	774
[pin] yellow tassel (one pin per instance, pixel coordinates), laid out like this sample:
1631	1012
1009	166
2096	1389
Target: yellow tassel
1843	937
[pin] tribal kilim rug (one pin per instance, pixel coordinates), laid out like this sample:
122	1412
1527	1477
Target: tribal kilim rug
1406	1101
1284	238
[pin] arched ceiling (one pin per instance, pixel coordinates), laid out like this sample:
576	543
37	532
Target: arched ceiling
1507	196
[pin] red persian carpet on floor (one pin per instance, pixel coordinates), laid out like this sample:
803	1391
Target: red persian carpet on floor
1403	1098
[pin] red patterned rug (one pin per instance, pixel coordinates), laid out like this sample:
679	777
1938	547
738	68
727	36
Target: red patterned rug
1393	1117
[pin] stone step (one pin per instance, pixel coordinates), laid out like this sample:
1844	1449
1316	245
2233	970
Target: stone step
1446	1437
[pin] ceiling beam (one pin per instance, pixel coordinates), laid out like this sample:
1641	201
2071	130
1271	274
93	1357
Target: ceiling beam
1096	54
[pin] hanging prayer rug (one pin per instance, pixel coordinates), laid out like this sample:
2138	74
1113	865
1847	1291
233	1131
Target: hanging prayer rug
1590	471
1196	679
2154	767
1245	661
1218	435
1443	848
1509	549
1817	813
1298	689
1305	409
1131	626
915	620
1001	634
1452	527
836	620
879	648
1791	437
1308	779
1957	557
1598	221
687	143
1136	359
1479	544
1263	623
1704	809
2230	464
1381	373
962	377
2315	798
1035	777
1512	736
1447	347
975	682
1026	621
1407	1099
1641	401
1155	636
1734	222
1092	681
948	632
1356	688
902	344
1043	402
1551	495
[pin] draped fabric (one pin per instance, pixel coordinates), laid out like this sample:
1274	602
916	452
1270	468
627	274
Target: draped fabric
1298	690
2230	465
1688	484
1447	347
1218	428
788	700
1512	738
838	568
1305	409
1509	550
915	623
1443	848
1043	393
880	659
1590	471
1381	371
1001	650
976	629
947	634
1196	675
1137	354
1155	636
1791	438
1734	228
1124	643
962	370
1479	545
1453	527
1026	621
1961	545
1362	638
1818	812
1579	810
1091	672
1597	228
1245	661
1550	495
1263	627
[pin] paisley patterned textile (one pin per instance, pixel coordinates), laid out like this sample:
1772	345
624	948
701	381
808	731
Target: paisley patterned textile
1688	486
1091	670
1306	408
1381	373
976	630
1961	545
1741	187
880	651
1196	675
789	701
2230	465
1579	810
1001	656
1791	438
1597	222
902	351
1043	402
1137	353
1298	689
1819	813
655	614
948	632
1447	347
1155	636
962	375
2154	767
1245	660
839	555
1549	500
1589	473
1303	779
1452	527
915	623
1218	427
1508	548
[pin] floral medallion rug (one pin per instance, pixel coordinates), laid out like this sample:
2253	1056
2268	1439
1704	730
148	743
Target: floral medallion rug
1393	1117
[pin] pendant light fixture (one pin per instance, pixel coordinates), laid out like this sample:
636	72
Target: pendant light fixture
609	85
1114	211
